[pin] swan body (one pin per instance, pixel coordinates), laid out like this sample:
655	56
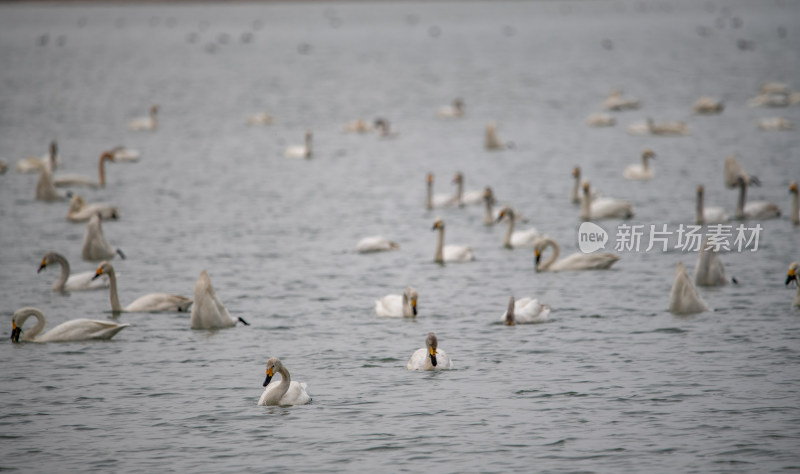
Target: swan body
601	120
756	209
449	253
45	190
122	154
525	311
775	123
398	306
709	270
79	180
616	101
520	238
34	165
72	282
456	110
491	141
684	299
73	330
643	171
437	200
771	99
284	393
375	244
208	312
603	207
707	106
469	197
429	357
148	123
576	261
793	277
152	302
357	126
795	215
300	151
261	118
80	211
649	127
709	215
95	246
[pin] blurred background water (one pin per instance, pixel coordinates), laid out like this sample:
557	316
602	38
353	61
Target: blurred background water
614	383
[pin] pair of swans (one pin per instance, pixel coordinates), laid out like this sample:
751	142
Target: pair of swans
601	120
95	246
149	123
525	311
753	210
576	261
73	330
430	357
33	164
80	211
80	180
208	312
260	118
459	199
683	298
286	392
152	302
376	243
515	239
792	277
72	282
709	215
643	171
455	110
300	151
603	207
398	306
449	253
706	105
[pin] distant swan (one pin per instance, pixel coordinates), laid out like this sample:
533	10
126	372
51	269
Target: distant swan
72	282
430	357
709	215
775	123
95	246
300	151
524	311
45	190
151	302
456	110
33	164
449	253
261	118
643	171
756	209
603	207
795	215
79	180
491	141
398	306
357	126
437	200
469	197
601	120
208	312
575	196
684	299
709	270
489	201
72	330
520	238
616	101
649	127
384	128
792	277
707	106
576	261
125	155
80	211
284	393
733	170
146	123
375	244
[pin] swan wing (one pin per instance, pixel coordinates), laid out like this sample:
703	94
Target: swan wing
375	244
74	180
761	210
472	197
86	281
457	253
418	359
390	305
530	310
296	395
582	261
715	215
82	330
155	302
609	207
525	238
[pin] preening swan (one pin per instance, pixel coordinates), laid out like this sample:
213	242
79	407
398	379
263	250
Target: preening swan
45	190
357	126
80	211
795	215
520	238
576	261
709	215
684	299
449	253
707	106
95	246
491	141
643	171
775	123
284	393
451	111
73	330
208	312
616	101
375	244
260	118
300	151
603	207
524	311
601	120
437	200
146	123
753	210
469	197
79	180
34	165
74	282
792	277
399	306
151	302
430	357
709	270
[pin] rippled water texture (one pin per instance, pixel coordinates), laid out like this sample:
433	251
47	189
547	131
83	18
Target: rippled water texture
614	383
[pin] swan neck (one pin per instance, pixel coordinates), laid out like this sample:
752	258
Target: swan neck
576	197
556	251
488	218
742	198
283	387
700	217
586	212
645	162
796	210
509	231
459	192
429	196
510	313
112	280
62	279
439	256
41	321
101	170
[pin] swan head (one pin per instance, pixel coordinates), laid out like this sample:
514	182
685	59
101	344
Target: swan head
48	258
76	203
792	275
429	178
438	224
576	172
506	212
586	188
793	187
273	365
104	268
488	195
108	155
432	344
648	153
458	178
15	330
412	295
153	109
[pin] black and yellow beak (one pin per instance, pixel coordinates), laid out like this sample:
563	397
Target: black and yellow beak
42	266
435	225
15	332
98	273
501	215
414	306
269	377
433	356
791	277
537	257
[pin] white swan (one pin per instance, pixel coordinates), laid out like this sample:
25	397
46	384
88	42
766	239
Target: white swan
733	170
792	277
456	110
684	299
576	261
284	393
575	196
375	244
474	196
72	330
707	106
773	87
399	306
771	99
95	246
80	211
33	164
603	207
357	126
437	200
125	155
80	180
45	190
643	171
491	141
146	123
300	151
430	357
524	311
616	101
449	253
649	127
208	312
72	282
260	118
601	120
795	215
520	238
756	209
709	215
775	123
148	303
709	270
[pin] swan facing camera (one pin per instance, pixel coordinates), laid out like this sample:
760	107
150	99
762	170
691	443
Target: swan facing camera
591	237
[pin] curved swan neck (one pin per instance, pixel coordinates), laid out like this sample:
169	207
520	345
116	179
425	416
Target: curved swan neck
112	280
547	242
101	168
62	279
286	381
41	321
439	256
700	218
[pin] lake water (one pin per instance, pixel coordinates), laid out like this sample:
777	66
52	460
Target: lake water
614	383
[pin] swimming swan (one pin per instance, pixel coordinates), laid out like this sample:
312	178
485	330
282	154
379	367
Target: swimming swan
300	151
208	312
709	270
683	299
72	330
489	201
284	393
733	170
45	190
80	211
148	303
792	277
795	215
79	180
775	123
95	246
74	282
709	215
707	106
753	210
601	120
33	164
146	123
649	127
575	196
525	311
456	110
469	197
603	207
260	118
357	126
449	253
520	238
125	155
643	171
576	261
375	244
398	306
491	141
616	101
430	357
437	200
